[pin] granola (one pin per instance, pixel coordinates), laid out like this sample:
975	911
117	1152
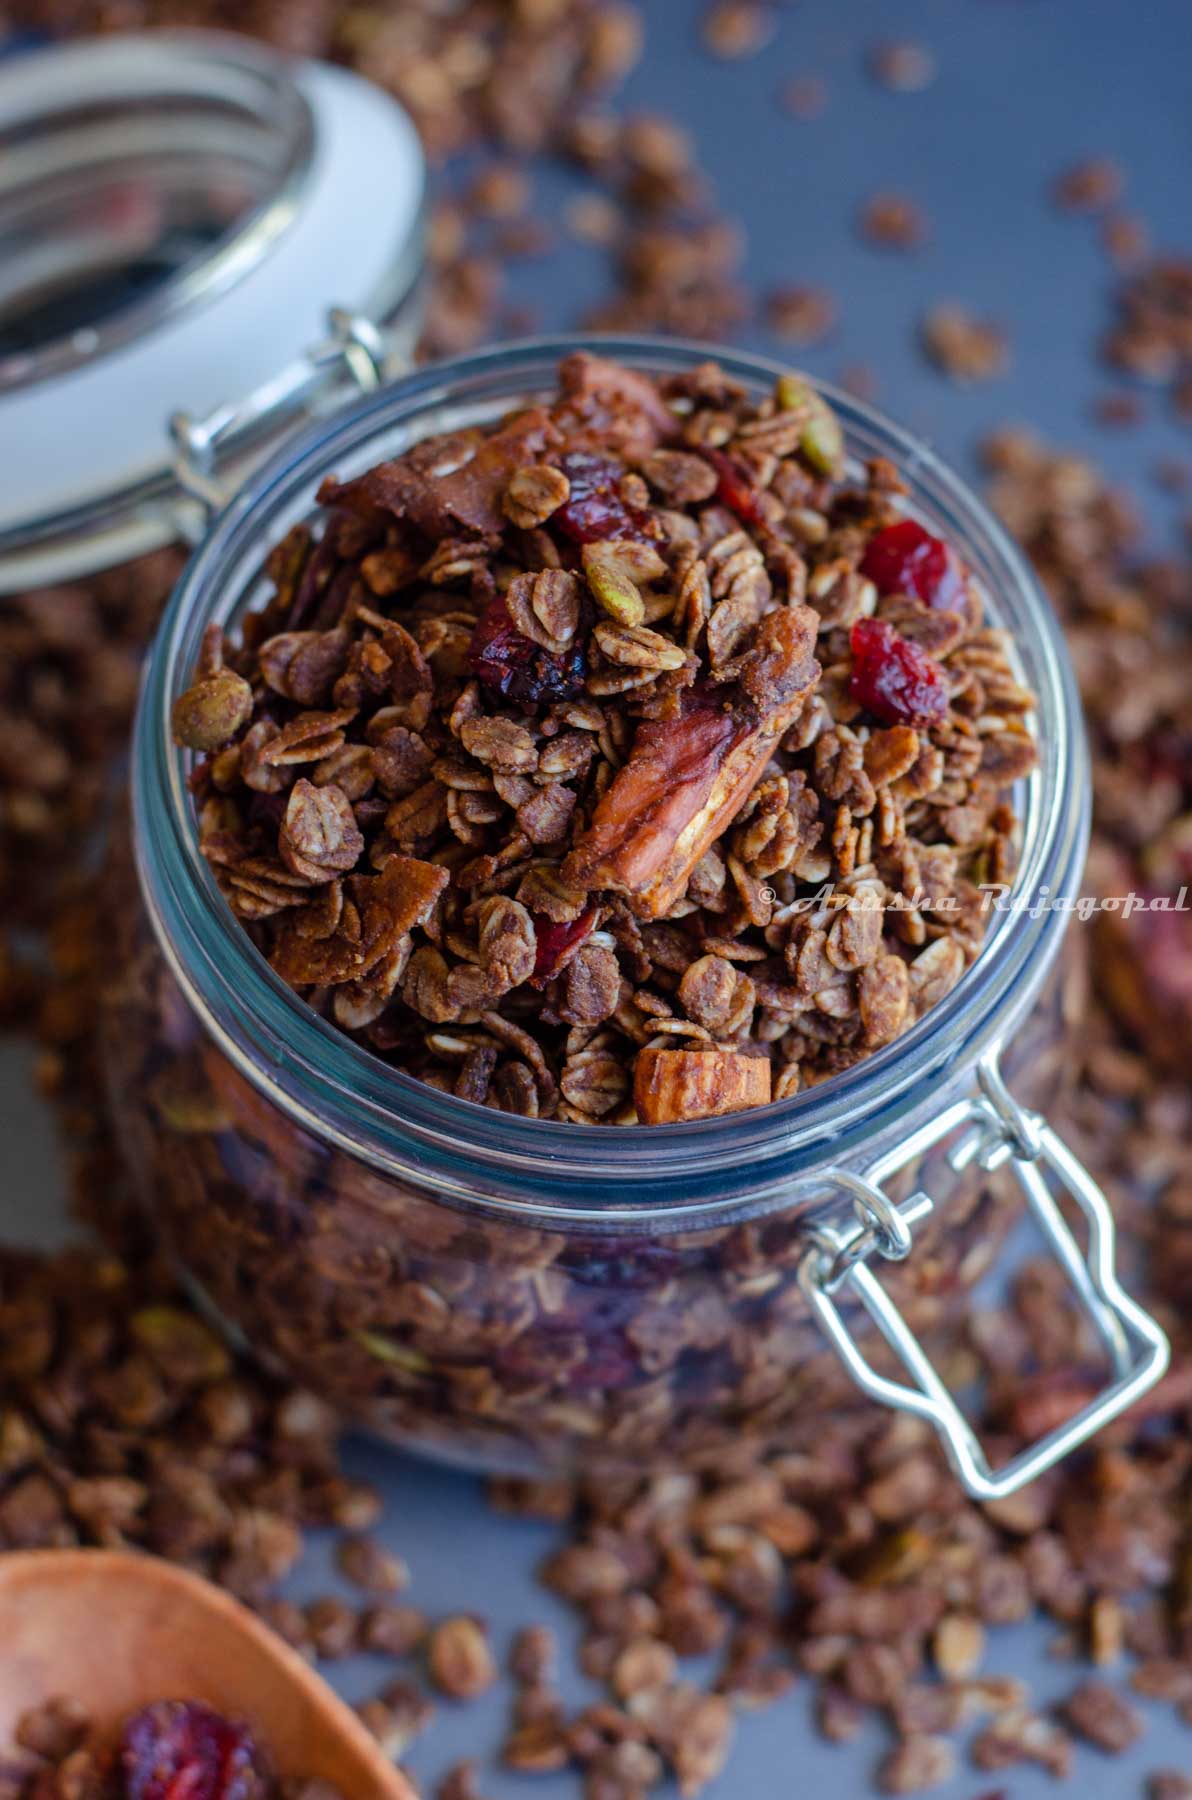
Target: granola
524	774
1111	1524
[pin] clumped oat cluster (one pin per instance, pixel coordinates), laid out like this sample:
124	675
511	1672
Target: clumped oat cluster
612	763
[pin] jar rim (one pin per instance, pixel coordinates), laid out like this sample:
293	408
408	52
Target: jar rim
235	331
349	1098
125	95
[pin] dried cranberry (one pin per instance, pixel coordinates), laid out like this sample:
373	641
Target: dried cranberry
609	1364
181	1750
733	489
516	667
893	679
594	509
905	559
555	940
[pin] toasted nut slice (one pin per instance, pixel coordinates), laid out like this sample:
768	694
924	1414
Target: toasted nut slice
672	1085
686	780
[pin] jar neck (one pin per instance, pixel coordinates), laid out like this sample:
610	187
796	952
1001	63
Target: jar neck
685	1174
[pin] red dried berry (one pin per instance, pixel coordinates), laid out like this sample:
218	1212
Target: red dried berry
594	509
609	1364
906	559
893	679
555	940
517	668
181	1750
733	489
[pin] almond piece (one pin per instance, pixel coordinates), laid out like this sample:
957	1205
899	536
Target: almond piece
685	781
670	1086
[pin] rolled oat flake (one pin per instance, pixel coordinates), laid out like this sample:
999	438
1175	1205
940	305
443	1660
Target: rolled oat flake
202	243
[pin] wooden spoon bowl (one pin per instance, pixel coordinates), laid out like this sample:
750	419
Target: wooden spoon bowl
117	1630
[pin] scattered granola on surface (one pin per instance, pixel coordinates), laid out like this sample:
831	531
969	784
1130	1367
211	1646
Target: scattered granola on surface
527	770
1089	187
903	68
963	346
1152	336
804	96
893	222
800	315
733	29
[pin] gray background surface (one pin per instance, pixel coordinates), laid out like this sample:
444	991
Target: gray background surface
1025	87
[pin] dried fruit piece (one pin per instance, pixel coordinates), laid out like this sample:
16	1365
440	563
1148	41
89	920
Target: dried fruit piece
893	679
556	941
906	559
594	508
184	1347
181	1750
516	667
672	1085
734	489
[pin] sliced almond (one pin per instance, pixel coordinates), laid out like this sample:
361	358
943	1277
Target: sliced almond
670	1086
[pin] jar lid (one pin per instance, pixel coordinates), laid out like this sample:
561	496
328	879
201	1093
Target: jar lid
178	212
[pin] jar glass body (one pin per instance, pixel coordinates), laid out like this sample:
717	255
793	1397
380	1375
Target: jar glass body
518	1294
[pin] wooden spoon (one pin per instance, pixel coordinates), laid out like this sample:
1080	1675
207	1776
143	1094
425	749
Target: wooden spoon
116	1631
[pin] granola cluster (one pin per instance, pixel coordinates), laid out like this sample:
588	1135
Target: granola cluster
630	761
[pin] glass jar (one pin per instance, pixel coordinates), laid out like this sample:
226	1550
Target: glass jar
524	1295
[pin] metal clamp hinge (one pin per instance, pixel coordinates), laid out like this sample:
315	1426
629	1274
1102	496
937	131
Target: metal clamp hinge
995	1132
354	352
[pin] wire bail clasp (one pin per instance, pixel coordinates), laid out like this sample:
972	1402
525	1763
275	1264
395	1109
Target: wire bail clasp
996	1133
355	356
